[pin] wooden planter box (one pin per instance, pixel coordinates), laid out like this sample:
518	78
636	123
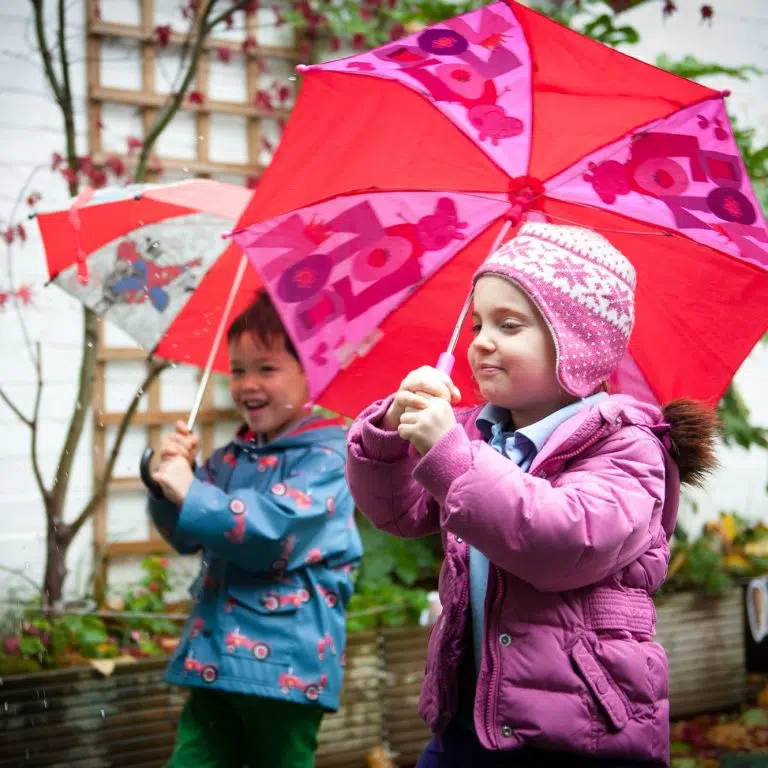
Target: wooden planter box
705	644
79	718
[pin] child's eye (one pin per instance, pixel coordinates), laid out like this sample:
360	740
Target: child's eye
511	326
266	369
475	328
236	372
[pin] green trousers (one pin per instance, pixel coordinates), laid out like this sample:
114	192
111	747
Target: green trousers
231	730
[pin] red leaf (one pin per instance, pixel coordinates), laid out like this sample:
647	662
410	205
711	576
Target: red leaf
188	11
116	165
230	21
4	296
97	178
249	44
284	93
163	34
251	182
264	100
24	295
366	14
56	161
267	144
196	97
34	199
707	12
250	8
392	3
396	31
279	18
669	8
224	53
69	175
335	43
9	235
359	41
21	233
133	143
84	165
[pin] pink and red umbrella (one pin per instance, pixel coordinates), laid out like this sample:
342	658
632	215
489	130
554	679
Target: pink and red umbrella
401	167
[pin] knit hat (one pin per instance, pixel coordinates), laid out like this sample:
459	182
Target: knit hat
584	288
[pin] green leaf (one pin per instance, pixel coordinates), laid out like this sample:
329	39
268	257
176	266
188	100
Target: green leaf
755	716
694	69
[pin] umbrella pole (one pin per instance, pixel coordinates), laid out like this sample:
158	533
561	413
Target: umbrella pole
447	359
145	465
192	418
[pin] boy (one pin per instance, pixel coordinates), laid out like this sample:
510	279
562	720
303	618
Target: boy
263	647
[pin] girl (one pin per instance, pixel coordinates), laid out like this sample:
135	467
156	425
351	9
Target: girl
555	502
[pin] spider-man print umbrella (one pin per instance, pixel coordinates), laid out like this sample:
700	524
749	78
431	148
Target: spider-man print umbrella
151	259
401	167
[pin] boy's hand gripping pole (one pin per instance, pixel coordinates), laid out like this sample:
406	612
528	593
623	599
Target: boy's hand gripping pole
145	465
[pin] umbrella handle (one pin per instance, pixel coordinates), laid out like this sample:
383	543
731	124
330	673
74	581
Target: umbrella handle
445	363
146	474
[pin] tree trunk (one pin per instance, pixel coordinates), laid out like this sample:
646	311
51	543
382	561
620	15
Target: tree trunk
57	544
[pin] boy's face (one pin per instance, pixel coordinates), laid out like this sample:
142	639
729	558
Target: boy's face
513	355
267	383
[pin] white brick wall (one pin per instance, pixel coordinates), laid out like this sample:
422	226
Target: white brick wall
30	132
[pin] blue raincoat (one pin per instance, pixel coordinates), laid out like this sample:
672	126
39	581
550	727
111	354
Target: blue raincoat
275	522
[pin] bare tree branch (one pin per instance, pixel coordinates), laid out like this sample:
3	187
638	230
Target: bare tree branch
45	52
203	28
34	426
82	404
66	85
155	369
7	400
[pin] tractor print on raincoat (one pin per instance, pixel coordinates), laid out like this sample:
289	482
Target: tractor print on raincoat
276	527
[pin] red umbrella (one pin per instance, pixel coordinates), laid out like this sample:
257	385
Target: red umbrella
400	167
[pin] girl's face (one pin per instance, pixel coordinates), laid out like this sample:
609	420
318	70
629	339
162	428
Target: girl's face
513	356
267	383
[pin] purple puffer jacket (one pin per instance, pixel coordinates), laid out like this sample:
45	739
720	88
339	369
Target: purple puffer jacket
577	545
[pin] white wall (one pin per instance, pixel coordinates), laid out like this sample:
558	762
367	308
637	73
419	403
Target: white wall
30	132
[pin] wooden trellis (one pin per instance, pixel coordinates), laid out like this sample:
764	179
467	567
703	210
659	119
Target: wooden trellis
147	101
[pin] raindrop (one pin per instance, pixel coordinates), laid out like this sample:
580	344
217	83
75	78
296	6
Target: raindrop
103	716
5	704
292	78
26	563
140	391
45	703
186	170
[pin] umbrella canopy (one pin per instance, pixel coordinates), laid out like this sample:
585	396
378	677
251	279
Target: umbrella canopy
400	166
151	259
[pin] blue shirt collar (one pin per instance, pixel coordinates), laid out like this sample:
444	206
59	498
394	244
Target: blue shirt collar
493	420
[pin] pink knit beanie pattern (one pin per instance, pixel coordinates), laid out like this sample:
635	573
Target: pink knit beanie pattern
583	286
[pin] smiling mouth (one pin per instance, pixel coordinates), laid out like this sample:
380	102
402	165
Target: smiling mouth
255	405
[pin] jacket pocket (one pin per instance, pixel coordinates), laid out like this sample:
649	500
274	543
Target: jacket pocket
269	598
600	684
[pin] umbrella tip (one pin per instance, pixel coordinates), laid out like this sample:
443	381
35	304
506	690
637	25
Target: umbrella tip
725	92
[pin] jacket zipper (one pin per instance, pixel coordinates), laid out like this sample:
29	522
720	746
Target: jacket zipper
490	646
493	697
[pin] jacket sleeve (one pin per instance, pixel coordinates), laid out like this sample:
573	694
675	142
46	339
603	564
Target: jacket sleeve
165	515
379	473
283	528
600	515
